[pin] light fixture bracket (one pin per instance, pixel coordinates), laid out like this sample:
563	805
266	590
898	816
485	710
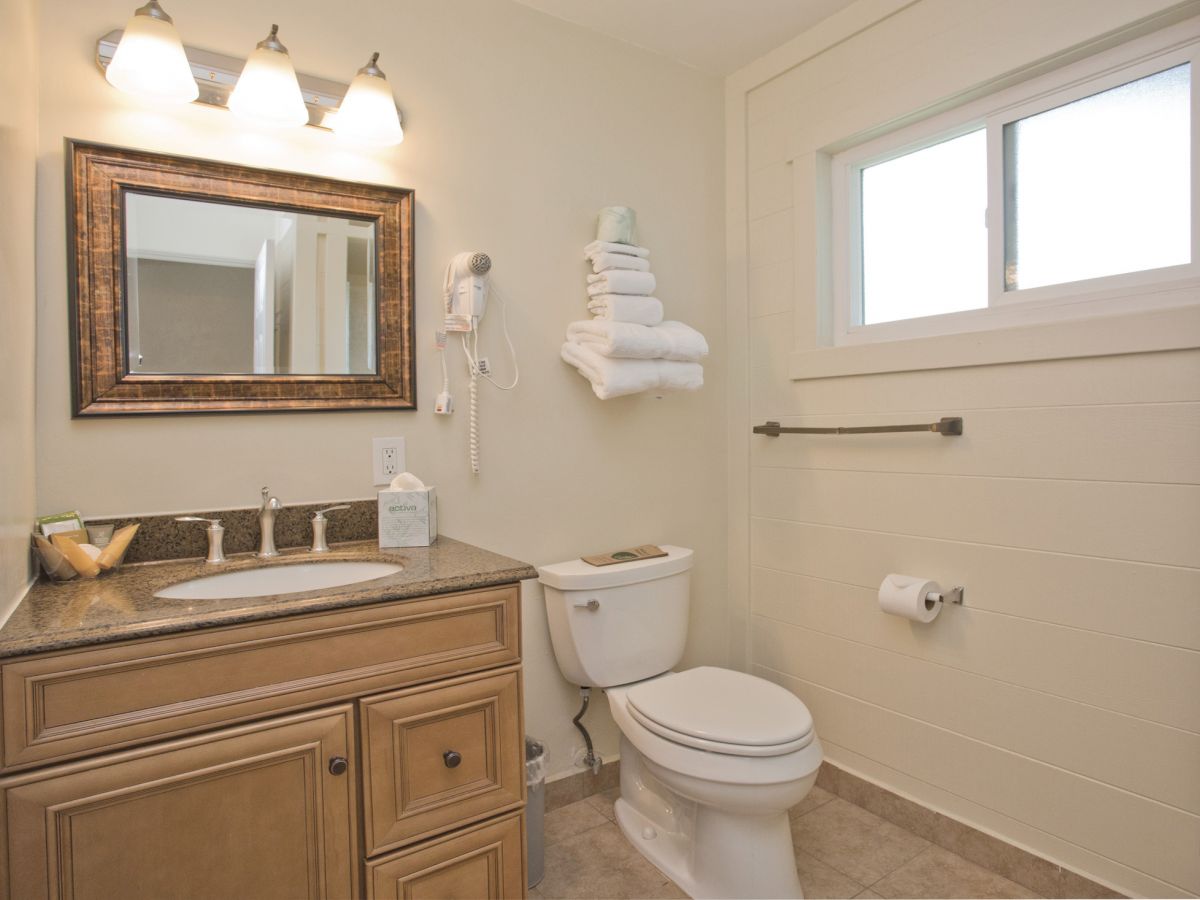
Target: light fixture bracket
372	67
216	75
154	11
272	42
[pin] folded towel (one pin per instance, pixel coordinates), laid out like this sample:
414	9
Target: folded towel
604	262
621	281
596	247
624	340
623	308
616	377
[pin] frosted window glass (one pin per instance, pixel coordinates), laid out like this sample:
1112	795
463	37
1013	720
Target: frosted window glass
924	242
1100	186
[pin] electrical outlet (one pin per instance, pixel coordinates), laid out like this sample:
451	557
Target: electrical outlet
387	459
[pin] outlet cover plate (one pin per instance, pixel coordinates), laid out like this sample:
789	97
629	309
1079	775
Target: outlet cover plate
387	459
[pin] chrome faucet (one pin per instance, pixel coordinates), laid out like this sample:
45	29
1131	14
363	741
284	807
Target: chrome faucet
266	523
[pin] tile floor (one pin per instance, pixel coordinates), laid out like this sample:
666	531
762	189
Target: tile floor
841	851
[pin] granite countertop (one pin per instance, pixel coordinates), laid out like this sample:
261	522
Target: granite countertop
121	605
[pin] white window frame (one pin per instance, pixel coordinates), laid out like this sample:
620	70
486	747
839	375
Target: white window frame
1114	294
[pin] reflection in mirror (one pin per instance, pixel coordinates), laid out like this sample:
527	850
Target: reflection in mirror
220	288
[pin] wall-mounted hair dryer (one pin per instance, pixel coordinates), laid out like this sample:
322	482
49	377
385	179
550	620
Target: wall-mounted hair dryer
466	289
464	296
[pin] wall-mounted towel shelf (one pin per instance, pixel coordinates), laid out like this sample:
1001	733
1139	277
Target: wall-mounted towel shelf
950	426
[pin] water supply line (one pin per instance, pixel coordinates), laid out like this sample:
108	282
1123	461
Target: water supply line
591	759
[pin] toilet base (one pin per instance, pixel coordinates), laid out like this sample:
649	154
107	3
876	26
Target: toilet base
708	852
671	854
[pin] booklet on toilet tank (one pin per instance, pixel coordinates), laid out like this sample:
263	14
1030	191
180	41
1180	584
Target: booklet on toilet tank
407	513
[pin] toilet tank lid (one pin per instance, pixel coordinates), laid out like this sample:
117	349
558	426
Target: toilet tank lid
576	575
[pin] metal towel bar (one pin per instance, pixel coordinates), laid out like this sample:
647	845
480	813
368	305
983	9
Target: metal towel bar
949	426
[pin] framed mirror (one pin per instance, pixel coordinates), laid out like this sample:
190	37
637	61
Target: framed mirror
199	286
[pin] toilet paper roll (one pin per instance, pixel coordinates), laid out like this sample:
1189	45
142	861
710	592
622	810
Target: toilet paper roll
905	595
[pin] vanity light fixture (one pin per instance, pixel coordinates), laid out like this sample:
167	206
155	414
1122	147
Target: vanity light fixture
150	61
368	112
264	88
267	90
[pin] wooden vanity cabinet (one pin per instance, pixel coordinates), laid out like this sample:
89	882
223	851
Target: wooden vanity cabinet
257	811
410	785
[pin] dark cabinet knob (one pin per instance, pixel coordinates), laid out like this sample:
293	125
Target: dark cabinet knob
452	758
338	765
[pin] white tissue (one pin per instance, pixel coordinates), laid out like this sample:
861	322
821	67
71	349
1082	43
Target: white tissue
906	595
407	481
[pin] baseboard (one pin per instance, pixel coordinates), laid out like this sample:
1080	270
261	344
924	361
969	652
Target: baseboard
569	788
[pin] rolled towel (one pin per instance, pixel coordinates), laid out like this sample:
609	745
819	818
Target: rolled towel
606	262
616	224
623	308
622	281
617	377
596	247
624	340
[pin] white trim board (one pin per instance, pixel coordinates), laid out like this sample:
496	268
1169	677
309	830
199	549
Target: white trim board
1143	332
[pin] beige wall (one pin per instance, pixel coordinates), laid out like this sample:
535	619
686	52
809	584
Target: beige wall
18	148
1058	708
519	127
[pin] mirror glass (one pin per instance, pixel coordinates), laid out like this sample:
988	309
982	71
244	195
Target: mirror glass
223	288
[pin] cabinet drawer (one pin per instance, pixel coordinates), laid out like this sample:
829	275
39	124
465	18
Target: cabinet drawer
484	861
66	704
440	757
254	811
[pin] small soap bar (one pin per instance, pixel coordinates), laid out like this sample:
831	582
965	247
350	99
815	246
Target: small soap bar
646	551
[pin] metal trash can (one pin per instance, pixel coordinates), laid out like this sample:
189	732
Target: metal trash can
535	808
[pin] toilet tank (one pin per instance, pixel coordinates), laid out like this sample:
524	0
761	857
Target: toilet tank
617	624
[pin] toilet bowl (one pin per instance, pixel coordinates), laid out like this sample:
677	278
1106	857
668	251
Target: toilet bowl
715	821
711	759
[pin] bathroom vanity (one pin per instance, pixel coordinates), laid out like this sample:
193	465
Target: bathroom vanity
364	740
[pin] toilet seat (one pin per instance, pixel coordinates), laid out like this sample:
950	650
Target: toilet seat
722	711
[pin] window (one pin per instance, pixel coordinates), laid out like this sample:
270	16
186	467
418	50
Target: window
1076	186
924	243
1100	186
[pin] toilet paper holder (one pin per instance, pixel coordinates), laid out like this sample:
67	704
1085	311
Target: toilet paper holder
953	595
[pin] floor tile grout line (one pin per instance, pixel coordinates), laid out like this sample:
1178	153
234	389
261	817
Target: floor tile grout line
905	862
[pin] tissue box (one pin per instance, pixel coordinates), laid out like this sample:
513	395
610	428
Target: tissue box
408	518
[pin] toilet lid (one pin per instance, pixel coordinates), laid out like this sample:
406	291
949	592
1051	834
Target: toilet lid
724	711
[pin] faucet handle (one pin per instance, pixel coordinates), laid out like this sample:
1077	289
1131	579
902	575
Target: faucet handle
319	544
216	537
320	513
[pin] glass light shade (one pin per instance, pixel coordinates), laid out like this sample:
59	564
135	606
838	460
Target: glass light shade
267	90
367	114
149	60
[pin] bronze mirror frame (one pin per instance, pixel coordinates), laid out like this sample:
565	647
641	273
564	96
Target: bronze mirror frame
98	178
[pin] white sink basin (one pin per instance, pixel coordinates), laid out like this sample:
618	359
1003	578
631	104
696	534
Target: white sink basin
279	579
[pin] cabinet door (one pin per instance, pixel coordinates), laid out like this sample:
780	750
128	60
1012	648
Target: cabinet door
485	861
256	811
440	757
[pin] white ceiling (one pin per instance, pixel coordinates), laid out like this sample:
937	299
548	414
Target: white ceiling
717	36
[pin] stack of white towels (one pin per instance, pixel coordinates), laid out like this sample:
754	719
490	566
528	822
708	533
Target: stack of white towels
626	347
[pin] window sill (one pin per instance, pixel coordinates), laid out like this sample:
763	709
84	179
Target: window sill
1173	328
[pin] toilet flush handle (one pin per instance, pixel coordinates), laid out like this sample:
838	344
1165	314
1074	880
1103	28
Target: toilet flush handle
592	605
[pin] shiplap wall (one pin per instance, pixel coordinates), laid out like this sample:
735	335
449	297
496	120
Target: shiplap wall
1060	708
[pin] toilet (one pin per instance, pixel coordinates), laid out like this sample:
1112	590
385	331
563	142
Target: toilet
711	759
